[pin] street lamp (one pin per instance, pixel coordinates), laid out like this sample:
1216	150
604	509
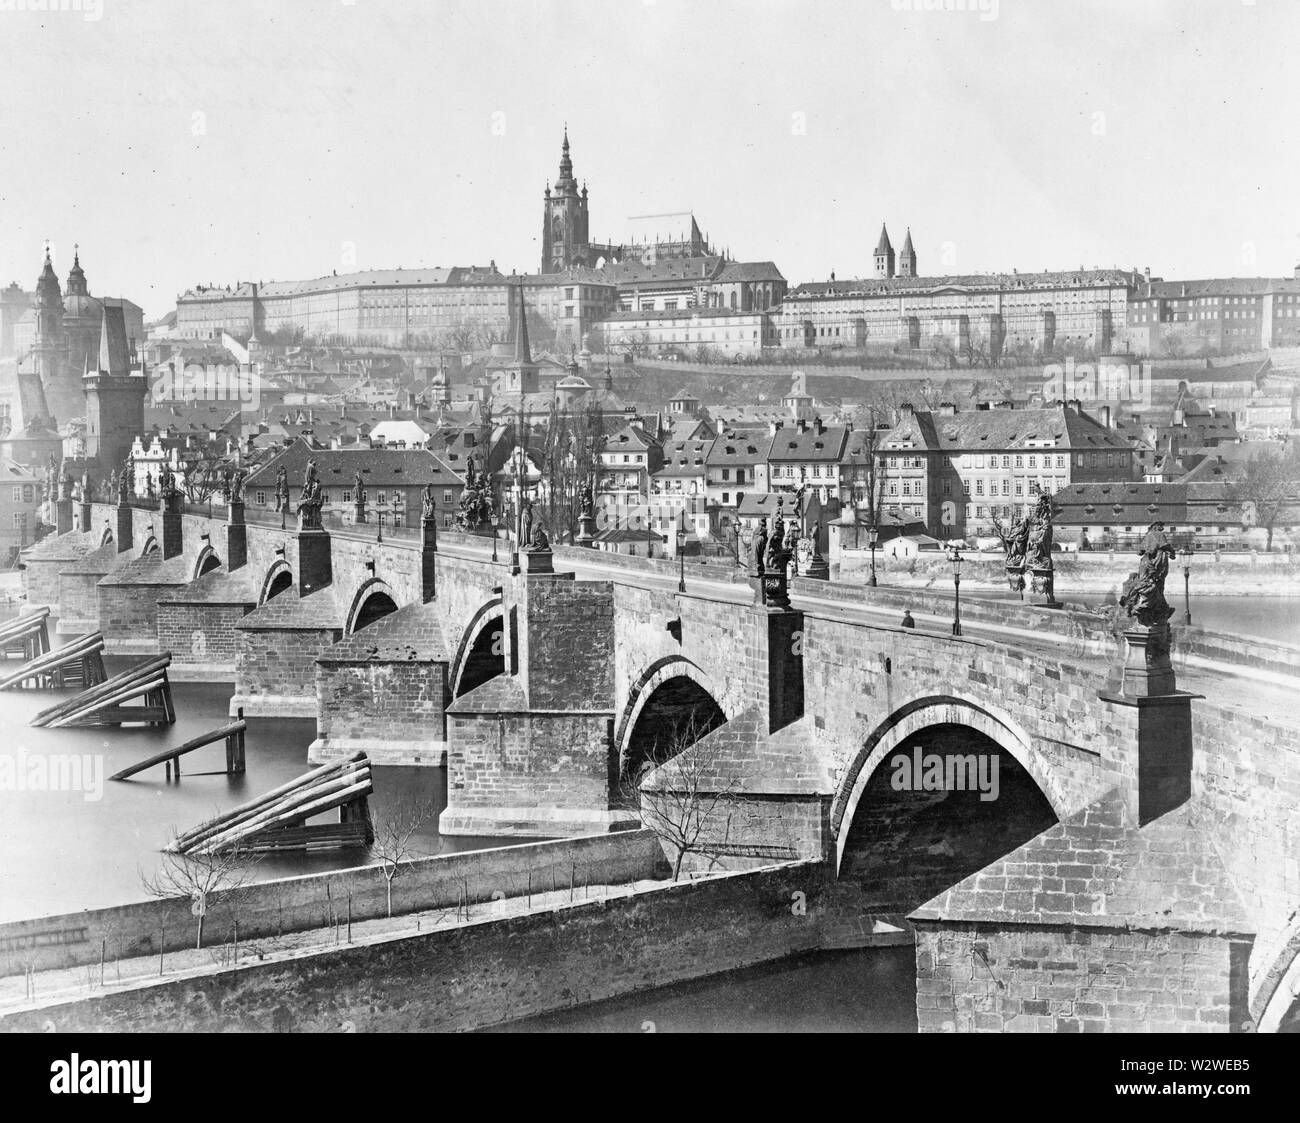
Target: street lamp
873	539
681	554
956	559
1187	586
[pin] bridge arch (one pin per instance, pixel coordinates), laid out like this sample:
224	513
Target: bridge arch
480	654
151	546
372	601
926	713
106	536
206	562
279	578
669	691
1276	1004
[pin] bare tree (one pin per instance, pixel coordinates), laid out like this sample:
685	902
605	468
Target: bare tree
1268	480
395	832
197	876
684	794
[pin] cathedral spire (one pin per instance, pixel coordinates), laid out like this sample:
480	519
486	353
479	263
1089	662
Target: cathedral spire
566	164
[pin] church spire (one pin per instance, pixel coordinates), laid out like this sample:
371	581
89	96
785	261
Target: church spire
522	353
566	165
76	275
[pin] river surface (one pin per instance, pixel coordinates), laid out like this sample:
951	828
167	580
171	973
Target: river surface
1270	618
62	851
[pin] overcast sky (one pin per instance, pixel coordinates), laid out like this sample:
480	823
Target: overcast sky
182	142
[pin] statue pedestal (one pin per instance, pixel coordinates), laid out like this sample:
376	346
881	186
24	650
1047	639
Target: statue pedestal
1147	669
536	561
1044	582
586	531
772	587
818	568
1016	578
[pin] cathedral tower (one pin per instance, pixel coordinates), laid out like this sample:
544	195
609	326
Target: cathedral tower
564	223
884	255
907	257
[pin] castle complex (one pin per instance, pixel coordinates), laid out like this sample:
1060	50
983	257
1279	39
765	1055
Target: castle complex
670	289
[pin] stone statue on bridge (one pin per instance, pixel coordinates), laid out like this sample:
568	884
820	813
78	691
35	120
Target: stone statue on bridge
113	487
281	489
1038	554
430	510
775	560
1015	542
235	489
148	485
758	546
309	504
1143	595
358	489
126	481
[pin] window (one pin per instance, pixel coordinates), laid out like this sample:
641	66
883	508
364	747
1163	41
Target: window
740	475
1020	462
383	497
1033	461
726	497
1006	487
347	495
261	498
965	486
726	473
947	487
448	497
1060	461
979	487
27	493
18	494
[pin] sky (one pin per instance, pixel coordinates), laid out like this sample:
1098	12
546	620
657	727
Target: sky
182	143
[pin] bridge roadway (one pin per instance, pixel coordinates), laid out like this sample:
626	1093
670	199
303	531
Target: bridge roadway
1226	684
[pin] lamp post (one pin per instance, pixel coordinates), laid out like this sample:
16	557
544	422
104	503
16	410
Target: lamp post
681	554
1187	586
956	559
873	540
496	532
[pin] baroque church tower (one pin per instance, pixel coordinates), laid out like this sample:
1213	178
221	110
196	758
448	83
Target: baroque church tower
564	223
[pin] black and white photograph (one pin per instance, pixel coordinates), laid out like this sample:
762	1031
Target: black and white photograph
650	516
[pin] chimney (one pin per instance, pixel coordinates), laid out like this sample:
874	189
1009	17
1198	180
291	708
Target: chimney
1105	417
773	427
803	425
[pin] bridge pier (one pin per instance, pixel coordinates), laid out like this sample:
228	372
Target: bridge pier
531	752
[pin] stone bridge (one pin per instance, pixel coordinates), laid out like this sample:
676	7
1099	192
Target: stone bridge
1134	867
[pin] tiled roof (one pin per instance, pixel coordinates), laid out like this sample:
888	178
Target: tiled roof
685	458
790	444
749	271
973	282
998	429
379	467
730	448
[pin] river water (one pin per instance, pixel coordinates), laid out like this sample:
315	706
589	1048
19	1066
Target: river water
63	851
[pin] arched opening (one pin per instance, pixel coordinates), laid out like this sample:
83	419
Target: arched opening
278	580
150	547
207	562
484	658
107	536
676	714
375	607
944	802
